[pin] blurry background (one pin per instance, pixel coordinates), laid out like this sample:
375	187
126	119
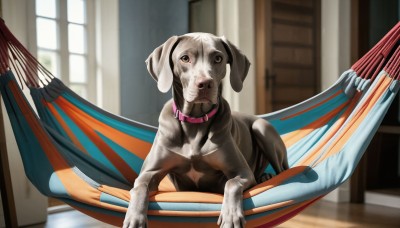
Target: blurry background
297	48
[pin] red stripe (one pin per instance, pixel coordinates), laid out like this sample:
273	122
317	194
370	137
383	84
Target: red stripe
289	215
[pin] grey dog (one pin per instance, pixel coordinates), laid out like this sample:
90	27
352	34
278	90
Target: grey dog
200	144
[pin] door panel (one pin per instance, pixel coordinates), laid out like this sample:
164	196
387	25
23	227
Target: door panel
293	77
287	34
287	55
292	34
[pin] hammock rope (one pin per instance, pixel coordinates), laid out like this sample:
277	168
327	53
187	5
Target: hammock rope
89	158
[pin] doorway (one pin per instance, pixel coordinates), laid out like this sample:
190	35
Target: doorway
288	53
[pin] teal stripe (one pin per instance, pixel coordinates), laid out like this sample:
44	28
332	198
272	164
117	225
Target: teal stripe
107	198
300	121
89	146
139	133
36	164
45	115
134	162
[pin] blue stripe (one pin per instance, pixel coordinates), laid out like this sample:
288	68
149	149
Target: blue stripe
89	146
36	164
300	121
139	133
134	162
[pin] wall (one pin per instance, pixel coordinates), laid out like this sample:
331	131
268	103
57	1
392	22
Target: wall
144	25
107	55
335	59
235	20
335	40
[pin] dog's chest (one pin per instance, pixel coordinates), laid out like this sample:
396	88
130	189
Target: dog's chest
194	175
196	165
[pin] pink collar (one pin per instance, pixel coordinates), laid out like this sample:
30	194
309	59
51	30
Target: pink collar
185	118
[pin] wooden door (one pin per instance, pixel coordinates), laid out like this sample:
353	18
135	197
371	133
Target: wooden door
288	52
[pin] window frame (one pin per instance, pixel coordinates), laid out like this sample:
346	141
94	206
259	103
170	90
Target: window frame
63	51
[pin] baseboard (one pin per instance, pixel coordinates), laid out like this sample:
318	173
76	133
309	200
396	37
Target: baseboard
382	199
61	208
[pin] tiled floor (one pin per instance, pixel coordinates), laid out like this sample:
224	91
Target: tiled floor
322	214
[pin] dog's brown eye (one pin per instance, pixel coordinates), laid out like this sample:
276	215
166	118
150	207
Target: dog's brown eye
218	59
185	59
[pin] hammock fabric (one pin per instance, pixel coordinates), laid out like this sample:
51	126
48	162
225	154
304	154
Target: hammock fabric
88	158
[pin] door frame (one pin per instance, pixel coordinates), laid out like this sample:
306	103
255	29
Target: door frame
261	10
359	28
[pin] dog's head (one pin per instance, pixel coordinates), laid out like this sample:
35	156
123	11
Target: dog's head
199	61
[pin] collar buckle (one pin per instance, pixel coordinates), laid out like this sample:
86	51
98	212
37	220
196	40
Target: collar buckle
205	118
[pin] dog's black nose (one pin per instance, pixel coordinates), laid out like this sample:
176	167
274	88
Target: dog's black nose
204	84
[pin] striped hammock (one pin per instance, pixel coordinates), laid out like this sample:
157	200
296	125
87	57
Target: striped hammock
89	158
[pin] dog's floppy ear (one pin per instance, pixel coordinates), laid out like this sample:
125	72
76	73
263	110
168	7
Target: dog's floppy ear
239	65
159	65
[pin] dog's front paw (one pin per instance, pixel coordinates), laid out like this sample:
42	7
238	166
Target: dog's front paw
231	217
135	220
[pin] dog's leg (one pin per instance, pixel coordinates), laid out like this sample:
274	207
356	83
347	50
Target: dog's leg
156	166
232	206
240	177
271	145
147	182
136	215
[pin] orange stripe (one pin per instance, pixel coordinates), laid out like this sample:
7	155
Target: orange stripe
64	125
316	152
314	106
273	182
360	116
114	158
293	137
189	197
204	197
117	192
184	213
269	207
166	185
139	147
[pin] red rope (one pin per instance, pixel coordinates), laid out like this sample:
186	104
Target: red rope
392	67
14	56
383	56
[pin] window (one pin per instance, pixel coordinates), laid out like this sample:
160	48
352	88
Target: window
65	43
